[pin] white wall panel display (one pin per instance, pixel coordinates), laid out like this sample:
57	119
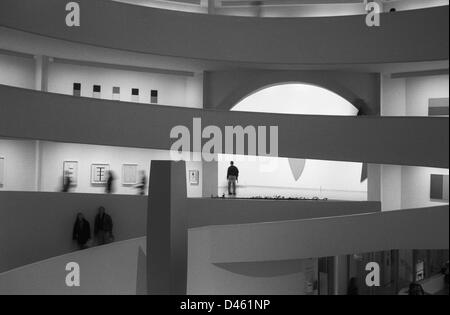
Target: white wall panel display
2	171
18	166
70	168
99	173
129	174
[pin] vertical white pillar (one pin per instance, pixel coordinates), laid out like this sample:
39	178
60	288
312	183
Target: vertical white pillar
210	178
393	103
374	182
40	84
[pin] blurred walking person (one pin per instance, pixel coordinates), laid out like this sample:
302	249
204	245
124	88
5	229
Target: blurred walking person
103	229
109	189
81	231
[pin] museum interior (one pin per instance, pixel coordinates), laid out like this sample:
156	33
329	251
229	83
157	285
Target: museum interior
357	172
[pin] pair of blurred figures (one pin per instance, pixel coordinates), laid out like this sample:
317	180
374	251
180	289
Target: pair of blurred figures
103	229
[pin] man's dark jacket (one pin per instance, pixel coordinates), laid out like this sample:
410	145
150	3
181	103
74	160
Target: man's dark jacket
233	171
82	232
103	223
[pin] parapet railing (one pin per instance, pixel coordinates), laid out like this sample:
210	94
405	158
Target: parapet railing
282	8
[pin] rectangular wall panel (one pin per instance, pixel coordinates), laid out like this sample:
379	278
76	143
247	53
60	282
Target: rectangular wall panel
439	187
2	171
438	107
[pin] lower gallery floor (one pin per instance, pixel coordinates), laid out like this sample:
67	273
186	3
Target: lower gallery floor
119	268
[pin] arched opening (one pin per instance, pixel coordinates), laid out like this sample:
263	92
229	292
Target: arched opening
296	98
298	178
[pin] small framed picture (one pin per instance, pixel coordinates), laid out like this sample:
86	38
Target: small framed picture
2	171
194	177
129	174
70	169
99	174
77	89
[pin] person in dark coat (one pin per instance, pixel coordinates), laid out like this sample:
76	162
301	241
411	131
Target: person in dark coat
353	287
81	231
109	189
142	184
67	182
232	177
415	289
103	227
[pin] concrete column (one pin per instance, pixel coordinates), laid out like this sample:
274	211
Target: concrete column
40	84
41	73
340	273
393	103
167	229
374	182
210	179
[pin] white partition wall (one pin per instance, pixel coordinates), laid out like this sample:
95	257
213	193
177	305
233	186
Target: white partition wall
23	161
17	70
270	177
19	158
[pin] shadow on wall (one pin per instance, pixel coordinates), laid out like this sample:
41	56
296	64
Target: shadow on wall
263	269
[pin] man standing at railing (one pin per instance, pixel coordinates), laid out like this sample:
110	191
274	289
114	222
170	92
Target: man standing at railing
232	177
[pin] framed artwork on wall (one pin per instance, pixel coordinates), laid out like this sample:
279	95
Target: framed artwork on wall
2	171
439	187
438	107
129	174
135	95
99	174
194	177
70	169
154	96
96	91
77	89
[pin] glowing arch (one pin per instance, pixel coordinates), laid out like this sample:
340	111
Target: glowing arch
296	98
